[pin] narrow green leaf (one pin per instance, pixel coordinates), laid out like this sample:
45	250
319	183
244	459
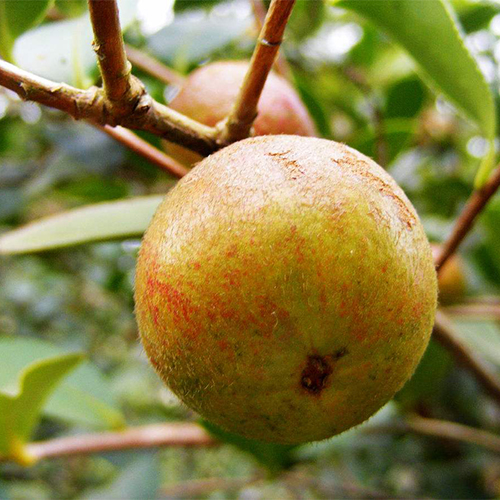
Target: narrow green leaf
190	39
275	457
102	221
429	32
16	17
138	480
84	397
20	411
37	381
71	8
483	336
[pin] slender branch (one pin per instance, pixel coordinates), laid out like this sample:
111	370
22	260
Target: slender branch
154	67
201	487
121	90
143	148
280	64
440	429
465	221
90	104
148	436
244	112
444	333
485	311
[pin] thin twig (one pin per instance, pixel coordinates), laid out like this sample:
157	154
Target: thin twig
144	149
244	112
444	333
121	90
280	64
201	487
485	311
335	489
90	104
153	67
148	436
440	429
465	221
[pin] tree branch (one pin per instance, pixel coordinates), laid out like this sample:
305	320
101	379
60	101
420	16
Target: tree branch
280	64
441	429
465	221
148	436
121	89
144	149
444	333
154	67
476	310
202	487
91	104
239	122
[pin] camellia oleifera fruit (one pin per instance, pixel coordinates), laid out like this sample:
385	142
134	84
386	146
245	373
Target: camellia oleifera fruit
451	280
210	92
285	288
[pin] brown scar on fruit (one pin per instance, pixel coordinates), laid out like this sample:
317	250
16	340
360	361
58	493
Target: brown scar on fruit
360	168
291	166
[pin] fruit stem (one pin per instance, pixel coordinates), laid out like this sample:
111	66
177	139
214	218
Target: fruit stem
239	122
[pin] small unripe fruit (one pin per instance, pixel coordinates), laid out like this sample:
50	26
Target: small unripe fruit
285	288
210	92
451	279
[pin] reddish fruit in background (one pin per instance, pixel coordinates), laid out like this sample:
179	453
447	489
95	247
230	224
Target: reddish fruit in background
210	92
285	288
451	279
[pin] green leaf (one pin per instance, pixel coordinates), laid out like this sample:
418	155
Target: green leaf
102	221
139	480
20	410
427	381
62	50
16	17
429	32
396	133
275	457
191	38
483	336
475	15
71	8
84	397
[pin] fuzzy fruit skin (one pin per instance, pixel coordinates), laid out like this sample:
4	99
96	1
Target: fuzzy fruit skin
210	92
285	288
451	279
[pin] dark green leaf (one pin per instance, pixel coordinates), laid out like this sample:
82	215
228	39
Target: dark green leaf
405	98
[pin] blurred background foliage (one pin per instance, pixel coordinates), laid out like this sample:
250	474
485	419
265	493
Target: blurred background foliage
361	89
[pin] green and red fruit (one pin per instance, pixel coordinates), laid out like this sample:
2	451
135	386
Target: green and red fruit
210	92
285	288
451	279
